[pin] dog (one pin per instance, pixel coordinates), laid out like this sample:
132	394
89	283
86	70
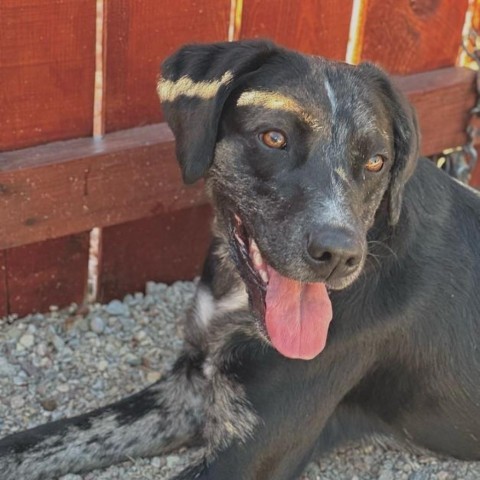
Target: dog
339	298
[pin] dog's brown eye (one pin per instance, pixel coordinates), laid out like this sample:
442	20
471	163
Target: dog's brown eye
274	139
375	164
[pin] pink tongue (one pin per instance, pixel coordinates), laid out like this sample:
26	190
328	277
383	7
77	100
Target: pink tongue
297	316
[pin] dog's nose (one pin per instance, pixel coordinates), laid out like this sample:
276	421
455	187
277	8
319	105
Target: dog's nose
334	252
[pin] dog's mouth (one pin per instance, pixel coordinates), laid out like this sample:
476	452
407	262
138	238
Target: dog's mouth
294	315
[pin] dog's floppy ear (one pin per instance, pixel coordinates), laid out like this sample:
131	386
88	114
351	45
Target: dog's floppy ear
406	136
195	83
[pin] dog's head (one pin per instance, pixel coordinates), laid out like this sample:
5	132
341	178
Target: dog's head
298	153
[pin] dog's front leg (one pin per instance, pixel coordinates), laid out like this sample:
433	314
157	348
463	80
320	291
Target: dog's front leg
291	401
164	416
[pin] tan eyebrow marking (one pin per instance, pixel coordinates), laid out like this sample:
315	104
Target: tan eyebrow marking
169	90
340	171
277	101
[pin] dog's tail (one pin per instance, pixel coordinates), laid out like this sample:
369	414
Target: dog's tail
164	416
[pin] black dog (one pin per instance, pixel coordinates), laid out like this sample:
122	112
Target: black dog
340	295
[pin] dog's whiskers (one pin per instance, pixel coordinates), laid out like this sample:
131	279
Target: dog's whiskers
382	245
374	257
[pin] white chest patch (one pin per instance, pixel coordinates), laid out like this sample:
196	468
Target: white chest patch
206	307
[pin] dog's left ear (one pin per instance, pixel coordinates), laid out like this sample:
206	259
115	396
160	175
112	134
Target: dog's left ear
405	132
196	82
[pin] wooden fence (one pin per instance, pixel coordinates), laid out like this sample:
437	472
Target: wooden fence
82	139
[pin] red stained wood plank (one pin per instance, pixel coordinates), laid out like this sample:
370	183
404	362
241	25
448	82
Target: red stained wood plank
47	273
139	36
319	27
47	68
164	248
73	186
443	99
70	187
407	36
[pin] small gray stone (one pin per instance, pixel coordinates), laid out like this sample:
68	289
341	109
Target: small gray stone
6	369
63	388
172	460
102	365
442	475
71	476
27	340
58	343
39	318
419	475
133	360
91	336
112	321
99	384
157	462
116	308
13	333
153	377
20	379
386	475
141	335
32	329
17	401
57	415
97	325
128	299
45	362
41	349
128	324
83	325
74	342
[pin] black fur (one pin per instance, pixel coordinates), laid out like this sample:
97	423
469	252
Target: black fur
402	359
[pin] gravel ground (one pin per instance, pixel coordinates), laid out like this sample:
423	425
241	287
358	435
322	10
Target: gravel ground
70	361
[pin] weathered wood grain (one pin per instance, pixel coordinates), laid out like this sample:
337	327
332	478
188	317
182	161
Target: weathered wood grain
408	36
443	99
47	68
139	36
164	248
52	272
319	27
